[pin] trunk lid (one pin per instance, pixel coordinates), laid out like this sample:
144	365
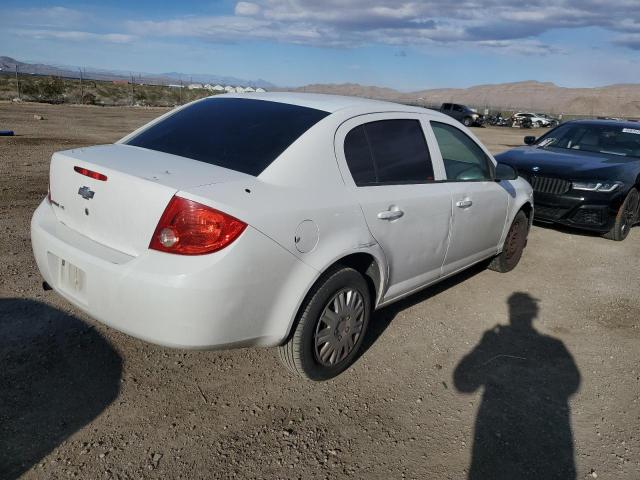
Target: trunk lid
123	211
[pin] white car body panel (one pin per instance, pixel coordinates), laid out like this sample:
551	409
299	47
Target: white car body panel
426	215
228	298
304	213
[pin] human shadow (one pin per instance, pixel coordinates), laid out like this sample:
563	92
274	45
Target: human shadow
56	375
523	425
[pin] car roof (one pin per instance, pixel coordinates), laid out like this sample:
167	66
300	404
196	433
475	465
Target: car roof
608	123
327	103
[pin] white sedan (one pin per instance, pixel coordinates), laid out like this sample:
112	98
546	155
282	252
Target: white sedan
536	120
274	219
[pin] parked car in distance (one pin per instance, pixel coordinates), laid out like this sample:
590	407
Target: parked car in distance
537	121
585	174
553	121
274	219
469	117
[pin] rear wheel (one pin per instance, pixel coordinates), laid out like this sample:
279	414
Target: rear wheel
330	327
513	245
626	217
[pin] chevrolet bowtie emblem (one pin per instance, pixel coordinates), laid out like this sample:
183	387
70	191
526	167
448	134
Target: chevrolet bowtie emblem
86	193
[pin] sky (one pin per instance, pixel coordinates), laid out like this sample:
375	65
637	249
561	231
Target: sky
407	45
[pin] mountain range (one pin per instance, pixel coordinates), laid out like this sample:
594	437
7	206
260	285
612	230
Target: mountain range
8	64
613	100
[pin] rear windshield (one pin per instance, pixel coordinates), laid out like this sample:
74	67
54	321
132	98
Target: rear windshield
236	133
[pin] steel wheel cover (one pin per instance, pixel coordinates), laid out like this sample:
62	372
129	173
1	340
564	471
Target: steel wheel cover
339	327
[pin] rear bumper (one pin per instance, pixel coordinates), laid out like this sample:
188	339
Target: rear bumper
245	294
584	210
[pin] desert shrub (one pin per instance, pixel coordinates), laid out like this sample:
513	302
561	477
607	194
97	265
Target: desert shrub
89	99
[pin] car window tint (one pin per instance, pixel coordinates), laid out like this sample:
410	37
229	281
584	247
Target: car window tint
463	158
236	133
457	108
359	159
398	153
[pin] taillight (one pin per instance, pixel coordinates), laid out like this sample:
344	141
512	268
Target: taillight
90	173
190	228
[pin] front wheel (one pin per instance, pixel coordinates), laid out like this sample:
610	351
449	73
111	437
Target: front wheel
513	245
330	327
467	121
626	217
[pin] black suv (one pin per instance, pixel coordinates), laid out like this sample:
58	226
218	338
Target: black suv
465	115
584	174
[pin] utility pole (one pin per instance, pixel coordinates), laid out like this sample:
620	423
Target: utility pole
132	87
180	93
81	88
17	82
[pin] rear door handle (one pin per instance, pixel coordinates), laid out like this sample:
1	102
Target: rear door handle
390	214
464	203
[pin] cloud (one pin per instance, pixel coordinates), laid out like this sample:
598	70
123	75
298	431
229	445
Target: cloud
509	26
247	8
50	17
60	23
631	41
73	35
521	47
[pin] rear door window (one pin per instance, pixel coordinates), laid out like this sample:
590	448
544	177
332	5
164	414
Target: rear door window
359	159
236	133
388	152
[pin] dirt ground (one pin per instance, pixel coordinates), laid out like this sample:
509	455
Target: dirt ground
541	365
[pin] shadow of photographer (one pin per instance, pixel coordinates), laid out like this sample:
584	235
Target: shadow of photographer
57	374
523	425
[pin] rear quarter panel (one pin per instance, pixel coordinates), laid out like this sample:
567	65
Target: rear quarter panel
303	185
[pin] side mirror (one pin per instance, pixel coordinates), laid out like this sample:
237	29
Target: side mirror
505	172
529	140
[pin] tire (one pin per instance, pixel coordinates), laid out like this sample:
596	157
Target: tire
322	317
513	245
467	122
626	217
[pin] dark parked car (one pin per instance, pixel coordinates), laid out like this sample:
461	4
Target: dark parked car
467	116
584	174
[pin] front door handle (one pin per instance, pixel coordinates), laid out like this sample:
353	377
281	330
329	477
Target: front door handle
464	203
390	214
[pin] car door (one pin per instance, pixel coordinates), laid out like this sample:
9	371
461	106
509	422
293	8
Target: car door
479	203
387	166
